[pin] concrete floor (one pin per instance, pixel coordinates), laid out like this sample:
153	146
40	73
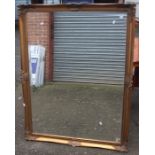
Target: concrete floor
78	110
24	147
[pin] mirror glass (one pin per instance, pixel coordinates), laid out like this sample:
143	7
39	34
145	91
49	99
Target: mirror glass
77	70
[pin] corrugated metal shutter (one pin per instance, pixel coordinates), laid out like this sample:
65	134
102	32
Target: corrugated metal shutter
90	47
20	2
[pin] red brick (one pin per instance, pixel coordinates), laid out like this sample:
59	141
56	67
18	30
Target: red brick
38	29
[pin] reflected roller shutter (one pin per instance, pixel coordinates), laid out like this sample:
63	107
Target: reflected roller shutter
90	47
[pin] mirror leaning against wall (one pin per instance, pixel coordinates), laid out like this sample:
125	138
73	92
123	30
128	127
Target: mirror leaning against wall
78	64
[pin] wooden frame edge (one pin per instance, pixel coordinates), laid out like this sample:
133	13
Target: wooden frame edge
25	74
128	77
76	7
76	142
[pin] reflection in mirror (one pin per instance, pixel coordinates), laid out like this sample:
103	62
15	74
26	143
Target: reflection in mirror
77	69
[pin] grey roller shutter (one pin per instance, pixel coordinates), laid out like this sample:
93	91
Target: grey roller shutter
90	47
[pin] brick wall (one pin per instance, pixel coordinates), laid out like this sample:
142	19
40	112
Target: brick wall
39	32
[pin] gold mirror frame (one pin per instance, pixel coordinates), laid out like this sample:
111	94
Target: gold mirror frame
29	134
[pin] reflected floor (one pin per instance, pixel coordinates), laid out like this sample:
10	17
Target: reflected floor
91	111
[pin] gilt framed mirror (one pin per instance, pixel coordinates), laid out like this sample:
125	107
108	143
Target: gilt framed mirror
76	66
